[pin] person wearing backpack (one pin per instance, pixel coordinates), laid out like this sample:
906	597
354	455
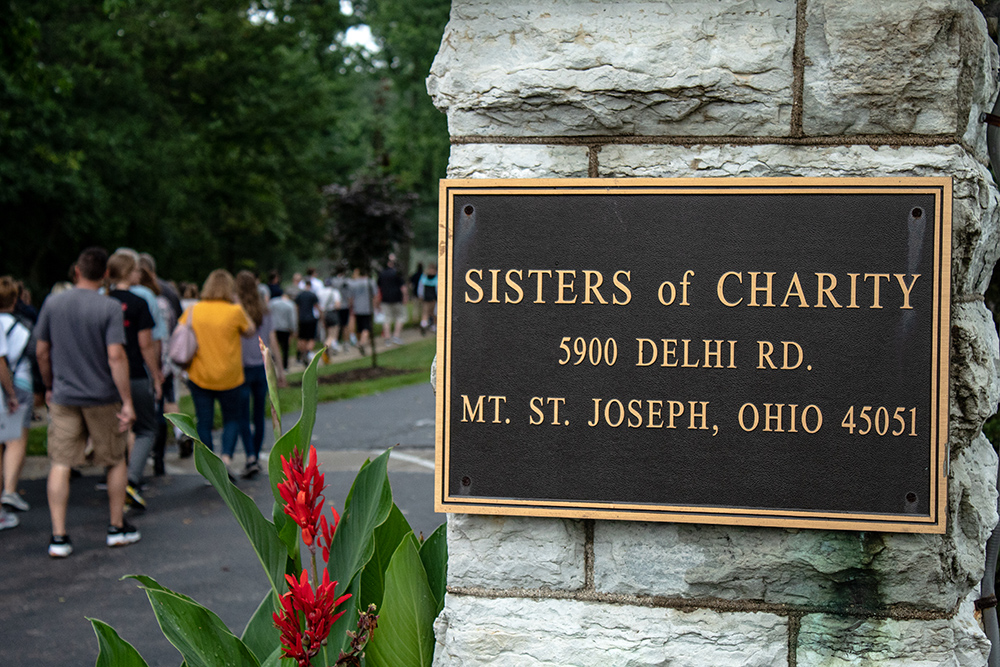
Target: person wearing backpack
19	343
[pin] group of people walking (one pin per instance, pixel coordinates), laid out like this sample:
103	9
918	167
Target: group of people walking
100	349
101	353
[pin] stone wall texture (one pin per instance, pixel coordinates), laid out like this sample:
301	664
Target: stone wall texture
580	88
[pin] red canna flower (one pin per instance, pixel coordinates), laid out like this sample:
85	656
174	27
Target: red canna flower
317	611
326	532
302	492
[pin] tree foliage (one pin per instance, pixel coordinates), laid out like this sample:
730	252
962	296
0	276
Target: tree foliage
412	142
203	130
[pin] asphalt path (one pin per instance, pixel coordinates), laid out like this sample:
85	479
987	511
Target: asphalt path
190	541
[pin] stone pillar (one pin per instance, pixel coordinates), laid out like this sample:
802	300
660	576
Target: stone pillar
690	88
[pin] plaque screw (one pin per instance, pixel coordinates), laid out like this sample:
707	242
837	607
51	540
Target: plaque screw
467	481
469	210
911	497
917	212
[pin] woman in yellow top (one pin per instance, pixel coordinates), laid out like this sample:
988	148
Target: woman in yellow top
216	372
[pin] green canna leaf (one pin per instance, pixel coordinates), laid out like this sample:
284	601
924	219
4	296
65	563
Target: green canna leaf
370	501
261	635
115	651
200	636
387	539
434	555
405	633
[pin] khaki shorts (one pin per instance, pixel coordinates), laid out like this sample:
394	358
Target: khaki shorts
394	312
71	425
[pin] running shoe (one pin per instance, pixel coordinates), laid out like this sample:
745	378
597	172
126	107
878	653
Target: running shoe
119	536
8	520
185	446
251	470
60	546
133	497
15	501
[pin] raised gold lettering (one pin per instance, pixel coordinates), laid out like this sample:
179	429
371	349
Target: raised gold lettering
493	294
472	414
471	283
641	361
795	289
754	288
906	290
828	290
564	286
514	286
623	287
590	287
721	285
538	273
876	276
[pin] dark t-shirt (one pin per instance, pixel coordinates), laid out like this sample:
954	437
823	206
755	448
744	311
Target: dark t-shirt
306	300
390	285
167	290
137	318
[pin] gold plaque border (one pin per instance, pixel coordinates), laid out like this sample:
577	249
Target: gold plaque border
935	522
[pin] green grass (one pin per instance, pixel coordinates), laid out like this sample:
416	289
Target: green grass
36	441
415	357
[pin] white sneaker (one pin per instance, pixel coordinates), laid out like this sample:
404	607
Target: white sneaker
120	536
60	547
8	520
15	501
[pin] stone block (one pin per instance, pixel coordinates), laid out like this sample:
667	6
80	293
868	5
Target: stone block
518	632
826	569
975	366
836	641
582	67
898	67
515	552
517	161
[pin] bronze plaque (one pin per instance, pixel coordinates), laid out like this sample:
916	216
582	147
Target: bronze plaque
767	352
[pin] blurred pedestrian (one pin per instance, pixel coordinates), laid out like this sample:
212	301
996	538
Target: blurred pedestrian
143	353
364	301
392	289
14	338
308	308
427	291
81	354
216	371
285	319
254	398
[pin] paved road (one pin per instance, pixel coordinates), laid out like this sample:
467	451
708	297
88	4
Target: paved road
190	541
402	417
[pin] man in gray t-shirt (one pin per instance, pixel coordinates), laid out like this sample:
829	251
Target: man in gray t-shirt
79	325
364	297
81	356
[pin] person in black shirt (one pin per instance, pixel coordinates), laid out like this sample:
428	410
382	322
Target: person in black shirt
308	305
144	366
392	288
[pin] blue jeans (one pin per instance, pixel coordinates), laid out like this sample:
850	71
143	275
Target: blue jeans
204	411
255	391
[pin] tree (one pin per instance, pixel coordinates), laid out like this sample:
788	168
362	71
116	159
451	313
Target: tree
191	128
414	141
367	220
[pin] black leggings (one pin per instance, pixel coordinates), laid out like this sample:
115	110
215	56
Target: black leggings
283	338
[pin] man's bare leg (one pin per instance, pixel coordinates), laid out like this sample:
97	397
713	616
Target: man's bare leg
57	489
117	479
13	461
